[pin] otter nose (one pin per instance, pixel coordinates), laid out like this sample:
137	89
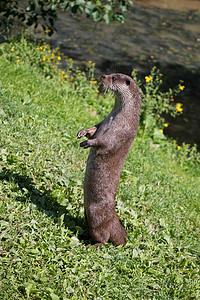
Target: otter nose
103	77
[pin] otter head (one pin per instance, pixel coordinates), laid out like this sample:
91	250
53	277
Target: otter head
120	83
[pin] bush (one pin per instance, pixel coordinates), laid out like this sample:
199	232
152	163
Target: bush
156	104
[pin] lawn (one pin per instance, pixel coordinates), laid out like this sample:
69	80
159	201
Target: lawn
41	194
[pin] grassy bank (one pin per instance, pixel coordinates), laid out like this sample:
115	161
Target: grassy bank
41	196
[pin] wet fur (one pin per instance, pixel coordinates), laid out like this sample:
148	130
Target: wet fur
110	141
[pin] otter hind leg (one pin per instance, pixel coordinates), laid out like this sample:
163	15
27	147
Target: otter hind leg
118	233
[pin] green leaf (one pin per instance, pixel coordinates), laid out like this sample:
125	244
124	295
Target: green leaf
97	16
54	296
159	135
28	288
108	7
107	18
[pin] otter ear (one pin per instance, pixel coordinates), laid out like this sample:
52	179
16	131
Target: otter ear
128	82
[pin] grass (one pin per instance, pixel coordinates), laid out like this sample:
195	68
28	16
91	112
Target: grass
41	197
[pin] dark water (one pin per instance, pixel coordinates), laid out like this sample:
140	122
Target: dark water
162	33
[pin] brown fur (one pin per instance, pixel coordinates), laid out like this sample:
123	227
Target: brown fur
110	141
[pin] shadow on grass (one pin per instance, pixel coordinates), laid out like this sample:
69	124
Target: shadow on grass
43	200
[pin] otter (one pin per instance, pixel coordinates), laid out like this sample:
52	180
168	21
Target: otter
110	141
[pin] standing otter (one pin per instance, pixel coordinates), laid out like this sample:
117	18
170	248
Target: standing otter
110	141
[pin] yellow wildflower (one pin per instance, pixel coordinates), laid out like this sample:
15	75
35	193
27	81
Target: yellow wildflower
44	58
179	108
182	87
66	76
12	50
160	74
166	124
18	60
90	61
178	147
172	98
59	58
148	78
161	130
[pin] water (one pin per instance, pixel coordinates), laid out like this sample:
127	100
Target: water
162	33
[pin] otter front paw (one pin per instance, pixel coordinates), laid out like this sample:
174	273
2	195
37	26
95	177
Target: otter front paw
85	144
82	133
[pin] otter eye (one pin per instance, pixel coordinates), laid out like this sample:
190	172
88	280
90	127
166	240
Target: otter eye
128	82
113	78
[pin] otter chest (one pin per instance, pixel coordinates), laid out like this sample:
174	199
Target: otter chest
105	126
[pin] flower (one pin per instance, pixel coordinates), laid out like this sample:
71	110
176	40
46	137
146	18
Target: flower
161	130
65	75
44	58
148	78
179	108
59	58
12	50
178	147
172	98
182	87
18	60
90	61
166	124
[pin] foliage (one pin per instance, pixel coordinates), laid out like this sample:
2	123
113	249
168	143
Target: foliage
156	103
44	12
41	196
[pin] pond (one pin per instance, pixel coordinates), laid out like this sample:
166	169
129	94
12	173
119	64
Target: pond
162	33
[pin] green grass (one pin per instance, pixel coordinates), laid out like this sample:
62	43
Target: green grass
41	198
